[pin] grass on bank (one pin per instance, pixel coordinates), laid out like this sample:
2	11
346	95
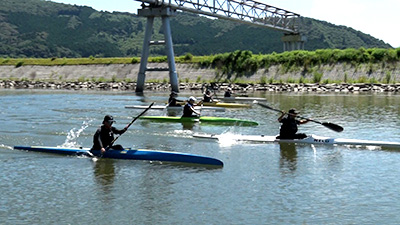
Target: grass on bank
235	67
246	59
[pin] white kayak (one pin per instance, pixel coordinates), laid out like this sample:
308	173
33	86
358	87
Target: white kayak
174	108
311	139
233	99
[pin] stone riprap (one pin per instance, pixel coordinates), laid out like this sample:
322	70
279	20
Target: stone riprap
277	87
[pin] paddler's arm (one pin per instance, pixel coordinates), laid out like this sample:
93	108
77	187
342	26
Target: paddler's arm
99	142
117	131
194	111
281	117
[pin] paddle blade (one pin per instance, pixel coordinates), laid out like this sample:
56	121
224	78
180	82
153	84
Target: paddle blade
333	126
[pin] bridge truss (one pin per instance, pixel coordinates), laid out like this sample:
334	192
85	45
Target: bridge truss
243	11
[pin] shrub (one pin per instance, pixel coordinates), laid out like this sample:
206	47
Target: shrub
19	64
263	79
81	79
159	59
362	79
388	77
378	54
188	57
134	60
271	80
317	77
373	80
238	63
302	80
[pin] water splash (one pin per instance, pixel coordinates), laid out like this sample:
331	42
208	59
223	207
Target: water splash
315	152
227	139
73	135
5	146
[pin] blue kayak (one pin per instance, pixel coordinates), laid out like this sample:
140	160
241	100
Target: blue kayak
135	154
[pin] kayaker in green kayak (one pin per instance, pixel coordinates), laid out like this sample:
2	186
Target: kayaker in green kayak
289	125
104	136
189	110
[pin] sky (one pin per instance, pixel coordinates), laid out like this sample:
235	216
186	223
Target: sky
373	17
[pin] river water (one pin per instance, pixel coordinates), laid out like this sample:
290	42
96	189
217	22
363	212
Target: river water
259	183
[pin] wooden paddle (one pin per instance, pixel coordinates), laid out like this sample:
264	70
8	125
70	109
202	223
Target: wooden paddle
115	139
329	125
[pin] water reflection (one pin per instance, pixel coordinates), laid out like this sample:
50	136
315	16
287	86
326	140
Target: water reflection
156	188
104	173
188	125
288	160
174	111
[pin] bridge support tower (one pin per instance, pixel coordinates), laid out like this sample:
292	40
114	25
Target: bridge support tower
293	42
165	13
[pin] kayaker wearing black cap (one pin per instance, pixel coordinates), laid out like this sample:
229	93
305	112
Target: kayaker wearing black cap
289	125
208	96
172	101
188	110
105	135
228	93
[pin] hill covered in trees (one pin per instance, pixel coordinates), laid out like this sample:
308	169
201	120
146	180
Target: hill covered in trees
44	29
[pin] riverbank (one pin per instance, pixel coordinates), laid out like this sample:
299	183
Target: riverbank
329	78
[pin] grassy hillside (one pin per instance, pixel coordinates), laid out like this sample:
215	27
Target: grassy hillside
44	29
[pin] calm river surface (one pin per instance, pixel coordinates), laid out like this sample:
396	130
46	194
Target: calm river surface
259	183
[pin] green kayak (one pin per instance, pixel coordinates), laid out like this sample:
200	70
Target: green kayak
202	119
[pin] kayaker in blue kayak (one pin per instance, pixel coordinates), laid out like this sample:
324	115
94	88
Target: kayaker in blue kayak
289	125
104	136
188	110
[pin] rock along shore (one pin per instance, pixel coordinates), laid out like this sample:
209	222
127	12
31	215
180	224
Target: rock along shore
131	86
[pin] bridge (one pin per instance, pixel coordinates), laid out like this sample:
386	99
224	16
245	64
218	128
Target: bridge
243	11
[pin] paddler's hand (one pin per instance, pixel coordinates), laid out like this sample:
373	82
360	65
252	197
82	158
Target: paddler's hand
102	150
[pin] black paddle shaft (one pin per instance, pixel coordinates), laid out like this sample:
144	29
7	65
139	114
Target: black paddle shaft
141	114
329	125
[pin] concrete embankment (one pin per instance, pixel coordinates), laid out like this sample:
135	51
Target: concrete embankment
97	72
193	78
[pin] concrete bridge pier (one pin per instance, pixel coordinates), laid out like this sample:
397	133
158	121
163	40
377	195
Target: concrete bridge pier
165	13
293	42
